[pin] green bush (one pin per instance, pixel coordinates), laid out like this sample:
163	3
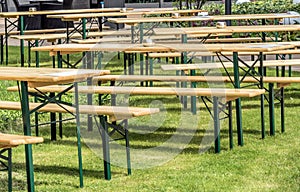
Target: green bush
262	6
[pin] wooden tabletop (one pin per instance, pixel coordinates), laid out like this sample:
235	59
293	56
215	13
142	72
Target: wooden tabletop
227	29
73	47
53	12
131	21
47	76
122	13
237	47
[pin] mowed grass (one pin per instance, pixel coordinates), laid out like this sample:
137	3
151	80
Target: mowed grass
170	151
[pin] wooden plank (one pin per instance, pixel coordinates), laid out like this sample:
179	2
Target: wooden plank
156	47
15	140
218	65
114	112
159	91
47	75
224	79
54	12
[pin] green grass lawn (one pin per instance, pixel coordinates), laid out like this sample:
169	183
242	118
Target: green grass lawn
170	151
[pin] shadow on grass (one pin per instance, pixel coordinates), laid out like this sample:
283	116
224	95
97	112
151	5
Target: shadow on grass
17	184
69	171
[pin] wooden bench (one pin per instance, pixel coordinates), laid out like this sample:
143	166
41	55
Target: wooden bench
280	81
117	39
7	142
218	65
114	112
222	40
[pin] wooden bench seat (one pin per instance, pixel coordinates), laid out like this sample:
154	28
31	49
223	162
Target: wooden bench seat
225	79
117	39
218	65
279	52
12	140
7	142
39	31
230	94
114	112
222	40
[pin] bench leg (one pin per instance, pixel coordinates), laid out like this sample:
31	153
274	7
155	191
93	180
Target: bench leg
125	63
8	165
230	124
2	50
282	109
127	147
9	169
53	122
216	124
142	67
193	98
151	69
271	109
105	144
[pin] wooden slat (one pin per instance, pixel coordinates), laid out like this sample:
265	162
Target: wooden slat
115	112
205	48
56	12
224	79
132	21
159	91
218	65
47	75
14	140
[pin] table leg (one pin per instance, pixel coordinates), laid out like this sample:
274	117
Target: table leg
83	28
238	101
6	41
262	97
271	108
105	144
78	135
141	30
22	41
27	131
132	33
2	50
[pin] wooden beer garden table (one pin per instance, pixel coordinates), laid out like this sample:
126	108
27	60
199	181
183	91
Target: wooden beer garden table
208	31
33	77
216	48
102	17
140	21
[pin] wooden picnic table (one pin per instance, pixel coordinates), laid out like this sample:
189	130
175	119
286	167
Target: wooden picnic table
134	21
228	29
204	48
102	17
156	20
33	77
156	47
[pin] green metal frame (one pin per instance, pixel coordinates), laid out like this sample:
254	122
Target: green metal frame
6	161
219	107
27	128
